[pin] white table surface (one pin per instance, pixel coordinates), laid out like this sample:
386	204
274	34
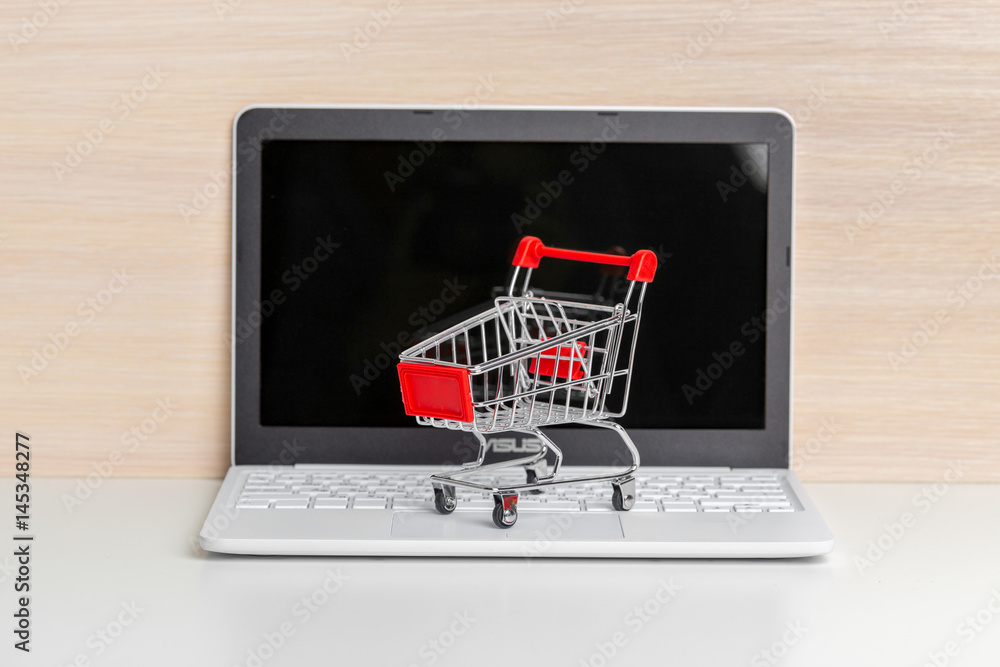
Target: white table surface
133	543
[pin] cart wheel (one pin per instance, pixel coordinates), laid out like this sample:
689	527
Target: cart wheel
533	479
623	496
444	499
505	511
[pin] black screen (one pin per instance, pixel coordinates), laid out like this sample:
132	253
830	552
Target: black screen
368	246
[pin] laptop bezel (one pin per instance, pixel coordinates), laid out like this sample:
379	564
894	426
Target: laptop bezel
254	444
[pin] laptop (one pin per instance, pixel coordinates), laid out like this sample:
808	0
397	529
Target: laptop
360	231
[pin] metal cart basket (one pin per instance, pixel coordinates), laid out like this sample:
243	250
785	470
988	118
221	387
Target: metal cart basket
528	362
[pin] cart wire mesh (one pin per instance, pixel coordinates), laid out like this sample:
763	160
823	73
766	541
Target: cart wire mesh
535	361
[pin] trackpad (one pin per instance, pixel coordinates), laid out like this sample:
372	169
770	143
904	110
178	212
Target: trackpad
530	526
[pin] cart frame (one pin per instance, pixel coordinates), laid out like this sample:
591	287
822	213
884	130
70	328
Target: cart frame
557	351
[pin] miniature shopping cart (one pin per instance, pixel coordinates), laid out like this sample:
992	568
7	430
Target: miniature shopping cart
531	361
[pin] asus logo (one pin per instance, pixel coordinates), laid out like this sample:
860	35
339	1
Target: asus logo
512	446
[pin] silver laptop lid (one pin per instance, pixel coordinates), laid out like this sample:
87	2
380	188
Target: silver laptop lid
357	230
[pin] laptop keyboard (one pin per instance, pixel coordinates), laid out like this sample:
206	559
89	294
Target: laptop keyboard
361	490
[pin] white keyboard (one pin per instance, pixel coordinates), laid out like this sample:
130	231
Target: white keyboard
361	490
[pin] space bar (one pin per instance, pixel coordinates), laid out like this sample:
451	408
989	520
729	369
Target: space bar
551	506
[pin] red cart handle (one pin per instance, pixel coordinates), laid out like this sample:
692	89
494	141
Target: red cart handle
641	265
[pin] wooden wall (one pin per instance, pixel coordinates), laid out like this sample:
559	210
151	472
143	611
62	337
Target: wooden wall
898	191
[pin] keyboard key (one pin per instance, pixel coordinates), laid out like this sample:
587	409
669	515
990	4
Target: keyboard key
716	509
744	508
644	506
688	495
476	505
411	504
330	504
676	506
369	503
295	503
599	506
559	505
730	503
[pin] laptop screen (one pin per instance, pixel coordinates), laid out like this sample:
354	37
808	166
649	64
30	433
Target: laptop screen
370	246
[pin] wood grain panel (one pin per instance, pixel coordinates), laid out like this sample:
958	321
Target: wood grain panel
906	103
